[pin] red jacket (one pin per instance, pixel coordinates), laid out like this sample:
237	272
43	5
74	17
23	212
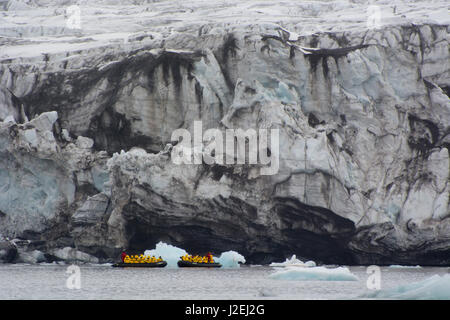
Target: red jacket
123	256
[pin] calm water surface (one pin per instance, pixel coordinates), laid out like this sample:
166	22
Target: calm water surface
23	281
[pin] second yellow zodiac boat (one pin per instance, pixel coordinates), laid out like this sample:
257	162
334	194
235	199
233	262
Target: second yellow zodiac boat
189	264
188	261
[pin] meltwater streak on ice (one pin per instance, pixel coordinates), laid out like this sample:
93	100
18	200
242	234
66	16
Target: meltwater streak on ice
434	288
172	254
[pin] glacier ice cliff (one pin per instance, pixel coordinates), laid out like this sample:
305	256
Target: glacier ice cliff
86	118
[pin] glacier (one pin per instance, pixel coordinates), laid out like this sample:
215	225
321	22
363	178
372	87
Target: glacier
86	116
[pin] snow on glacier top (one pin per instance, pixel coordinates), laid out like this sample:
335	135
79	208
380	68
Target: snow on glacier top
30	28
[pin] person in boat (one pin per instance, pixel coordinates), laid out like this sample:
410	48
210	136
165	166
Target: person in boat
123	256
210	257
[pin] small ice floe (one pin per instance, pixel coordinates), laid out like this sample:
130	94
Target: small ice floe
99	265
314	274
54	263
264	292
293	262
433	288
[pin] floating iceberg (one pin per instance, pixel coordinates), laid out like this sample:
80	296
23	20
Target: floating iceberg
293	262
169	253
433	288
172	254
230	259
315	273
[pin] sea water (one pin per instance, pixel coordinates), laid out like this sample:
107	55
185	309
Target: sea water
50	281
